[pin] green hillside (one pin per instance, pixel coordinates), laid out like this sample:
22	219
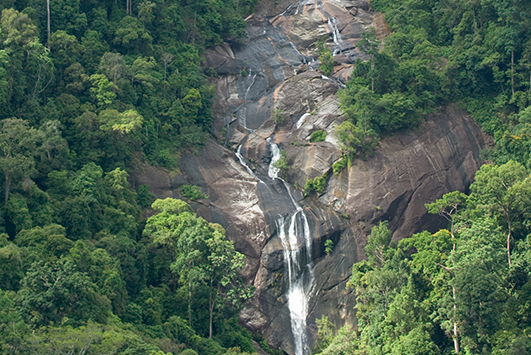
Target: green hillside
110	85
464	289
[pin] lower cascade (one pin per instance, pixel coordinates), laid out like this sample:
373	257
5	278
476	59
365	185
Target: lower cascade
294	233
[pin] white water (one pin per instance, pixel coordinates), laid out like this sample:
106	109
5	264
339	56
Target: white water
250	86
298	52
242	162
331	20
332	24
299	287
301	120
242	120
301	5
289	8
273	172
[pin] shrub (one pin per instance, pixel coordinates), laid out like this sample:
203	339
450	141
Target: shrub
308	187
282	164
319	183
318	136
211	72
356	141
326	58
278	116
267	349
165	159
329	246
316	184
339	165
192	192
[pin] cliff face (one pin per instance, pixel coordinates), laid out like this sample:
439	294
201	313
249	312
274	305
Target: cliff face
408	170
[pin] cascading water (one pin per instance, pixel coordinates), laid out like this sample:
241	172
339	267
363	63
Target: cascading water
301	120
244	164
331	21
297	260
301	5
253	78
332	24
298	52
271	45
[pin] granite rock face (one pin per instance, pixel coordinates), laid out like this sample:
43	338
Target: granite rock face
408	170
269	90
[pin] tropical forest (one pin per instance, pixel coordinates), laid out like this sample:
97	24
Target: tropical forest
291	177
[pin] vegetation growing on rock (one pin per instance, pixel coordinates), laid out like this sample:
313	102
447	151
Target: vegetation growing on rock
318	136
326	58
316	184
192	192
282	164
109	86
339	165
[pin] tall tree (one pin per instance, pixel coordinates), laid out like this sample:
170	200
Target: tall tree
224	265
48	22
498	189
369	45
18	143
54	290
203	255
447	207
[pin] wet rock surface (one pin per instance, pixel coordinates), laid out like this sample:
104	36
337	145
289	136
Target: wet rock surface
408	170
269	87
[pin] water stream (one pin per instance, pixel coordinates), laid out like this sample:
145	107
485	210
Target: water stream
292	224
253	78
301	120
244	164
298	52
332	22
294	233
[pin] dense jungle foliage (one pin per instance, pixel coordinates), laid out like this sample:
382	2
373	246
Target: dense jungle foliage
465	289
91	266
477	53
86	94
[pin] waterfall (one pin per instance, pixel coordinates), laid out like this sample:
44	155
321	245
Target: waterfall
301	120
332	24
292	230
301	5
244	164
273	171
253	78
242	119
298	52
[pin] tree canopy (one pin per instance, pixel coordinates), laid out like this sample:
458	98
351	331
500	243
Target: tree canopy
463	289
90	90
